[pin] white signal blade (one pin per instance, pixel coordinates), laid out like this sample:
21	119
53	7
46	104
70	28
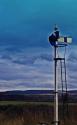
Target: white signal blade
65	39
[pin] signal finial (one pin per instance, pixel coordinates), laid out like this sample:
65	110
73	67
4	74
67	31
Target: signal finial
56	27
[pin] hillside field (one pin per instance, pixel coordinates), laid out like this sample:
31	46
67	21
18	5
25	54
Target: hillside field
35	113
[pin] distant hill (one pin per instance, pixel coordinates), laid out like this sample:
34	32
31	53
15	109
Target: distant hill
19	92
28	95
35	95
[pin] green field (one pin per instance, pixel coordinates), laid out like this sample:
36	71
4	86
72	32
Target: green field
24	103
34	113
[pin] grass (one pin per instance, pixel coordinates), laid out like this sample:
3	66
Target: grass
33	113
23	103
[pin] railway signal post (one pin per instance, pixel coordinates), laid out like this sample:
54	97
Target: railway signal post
57	41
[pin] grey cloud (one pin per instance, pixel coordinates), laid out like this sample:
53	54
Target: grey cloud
32	70
72	66
32	59
24	59
72	57
25	55
6	56
46	57
73	76
24	76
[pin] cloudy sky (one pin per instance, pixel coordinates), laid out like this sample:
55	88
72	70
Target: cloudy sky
26	57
